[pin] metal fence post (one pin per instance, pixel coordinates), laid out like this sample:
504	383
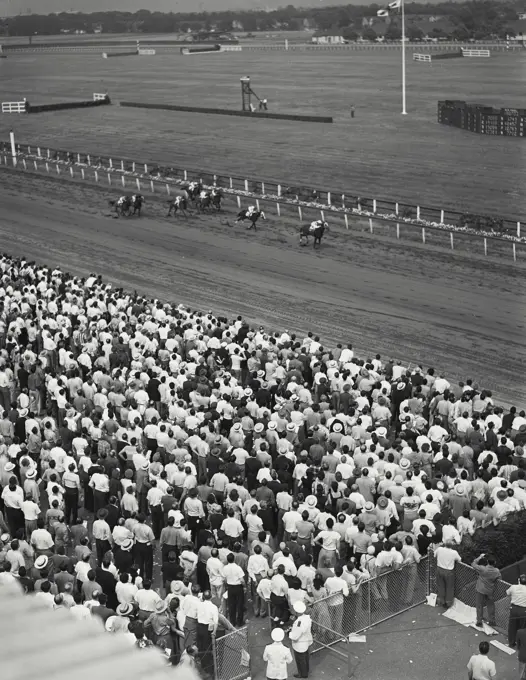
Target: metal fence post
214	654
518	229
374	205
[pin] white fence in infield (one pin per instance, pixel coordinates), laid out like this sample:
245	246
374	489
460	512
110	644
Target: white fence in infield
422	57
475	53
231	48
97	97
14	107
116	177
146	52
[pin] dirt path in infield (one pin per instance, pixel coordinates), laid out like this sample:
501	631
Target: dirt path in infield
463	315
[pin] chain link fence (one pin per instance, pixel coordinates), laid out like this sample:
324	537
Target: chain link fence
231	657
373	601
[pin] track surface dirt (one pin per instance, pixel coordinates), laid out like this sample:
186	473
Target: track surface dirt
464	315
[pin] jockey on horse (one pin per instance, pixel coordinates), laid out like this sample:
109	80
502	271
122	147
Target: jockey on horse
315	229
122	205
250	214
179	203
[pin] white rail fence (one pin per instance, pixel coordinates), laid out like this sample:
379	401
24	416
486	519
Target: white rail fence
350	219
475	53
14	107
422	57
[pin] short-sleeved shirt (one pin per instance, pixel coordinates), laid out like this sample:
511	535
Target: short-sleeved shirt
481	667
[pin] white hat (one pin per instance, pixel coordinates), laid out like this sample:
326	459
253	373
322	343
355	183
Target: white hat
332	364
311	501
291	427
41	562
337	427
247	392
294	397
404	463
272	425
261	374
277	634
23	412
381	431
259	427
299	607
369	507
236	427
31	474
9	467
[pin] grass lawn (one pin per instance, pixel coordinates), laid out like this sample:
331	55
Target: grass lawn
379	153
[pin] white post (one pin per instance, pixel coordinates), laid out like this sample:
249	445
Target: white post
279	189
111	163
35	164
239	202
262	188
397	230
396	208
486	246
322	216
168	189
346	221
47	166
13	146
133	166
138	184
286	44
123	180
122	166
300	213
58	170
257	204
78	158
48	153
370	225
246	185
328	198
451	241
145	169
278	209
417	212
82	173
152	186
374	205
96	176
185	175
230	183
404	111
423	235
215	180
343	200
38	151
109	179
518	229
89	160
514	253
71	170
441	217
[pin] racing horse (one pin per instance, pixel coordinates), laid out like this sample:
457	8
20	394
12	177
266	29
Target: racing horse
194	190
315	229
252	215
209	200
216	197
179	203
138	201
122	206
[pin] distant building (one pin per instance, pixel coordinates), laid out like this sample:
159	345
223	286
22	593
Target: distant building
521	15
329	38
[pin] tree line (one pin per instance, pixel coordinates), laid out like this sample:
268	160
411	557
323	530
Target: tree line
475	19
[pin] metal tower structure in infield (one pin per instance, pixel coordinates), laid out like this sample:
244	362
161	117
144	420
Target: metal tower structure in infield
247	93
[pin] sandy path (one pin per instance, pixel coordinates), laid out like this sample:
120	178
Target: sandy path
464	316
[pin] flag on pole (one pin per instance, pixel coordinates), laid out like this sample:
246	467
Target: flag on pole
396	4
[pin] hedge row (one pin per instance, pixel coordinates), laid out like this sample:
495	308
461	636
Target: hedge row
230	112
506	541
41	108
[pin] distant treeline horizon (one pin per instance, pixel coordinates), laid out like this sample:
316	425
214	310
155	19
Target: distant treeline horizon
476	19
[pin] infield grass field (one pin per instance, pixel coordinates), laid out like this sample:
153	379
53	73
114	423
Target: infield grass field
379	153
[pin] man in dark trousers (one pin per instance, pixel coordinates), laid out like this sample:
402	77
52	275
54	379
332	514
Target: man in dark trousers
517	593
485	588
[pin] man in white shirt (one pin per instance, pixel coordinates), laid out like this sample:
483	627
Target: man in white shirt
277	656
480	666
207	622
337	589
146	599
257	568
215	570
446	558
301	637
235	582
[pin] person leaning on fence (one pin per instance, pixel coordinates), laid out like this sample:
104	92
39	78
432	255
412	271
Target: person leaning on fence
517	620
446	557
485	588
277	656
301	637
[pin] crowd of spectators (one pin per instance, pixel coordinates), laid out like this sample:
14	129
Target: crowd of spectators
171	471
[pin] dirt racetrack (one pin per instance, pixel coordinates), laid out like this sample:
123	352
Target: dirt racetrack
460	313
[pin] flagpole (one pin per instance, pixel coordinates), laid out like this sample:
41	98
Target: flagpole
404	111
